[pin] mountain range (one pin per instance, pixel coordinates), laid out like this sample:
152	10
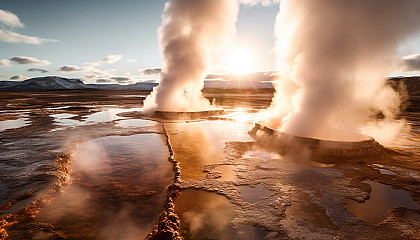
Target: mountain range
58	83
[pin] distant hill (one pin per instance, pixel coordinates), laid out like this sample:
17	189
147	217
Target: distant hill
42	83
58	83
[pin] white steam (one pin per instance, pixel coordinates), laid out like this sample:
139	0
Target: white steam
190	32
333	59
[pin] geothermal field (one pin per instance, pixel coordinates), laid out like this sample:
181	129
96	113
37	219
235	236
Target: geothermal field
98	169
211	144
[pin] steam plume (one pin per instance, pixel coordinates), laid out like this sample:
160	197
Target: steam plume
190	31
333	58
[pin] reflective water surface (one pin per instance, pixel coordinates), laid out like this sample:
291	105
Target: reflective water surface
116	190
382	198
11	124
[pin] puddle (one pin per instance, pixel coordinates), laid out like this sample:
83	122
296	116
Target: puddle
197	144
381	168
228	172
132	123
60	116
104	116
207	215
107	115
204	215
382	198
11	124
117	188
254	194
304	210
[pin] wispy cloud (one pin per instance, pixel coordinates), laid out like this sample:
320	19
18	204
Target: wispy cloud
110	59
4	62
102	80
410	63
12	37
37	70
17	77
150	71
73	68
29	60
121	79
10	19
132	60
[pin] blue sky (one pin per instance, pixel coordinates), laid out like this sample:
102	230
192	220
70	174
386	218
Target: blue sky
79	31
117	38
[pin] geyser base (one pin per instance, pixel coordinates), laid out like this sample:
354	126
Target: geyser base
325	149
188	115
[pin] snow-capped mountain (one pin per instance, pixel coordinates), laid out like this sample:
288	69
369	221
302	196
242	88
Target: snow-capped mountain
59	83
43	84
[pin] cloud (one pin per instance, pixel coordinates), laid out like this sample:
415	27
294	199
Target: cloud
110	59
264	3
17	77
410	63
29	60
72	68
10	19
150	71
4	62
121	79
132	60
12	37
37	70
102	80
93	64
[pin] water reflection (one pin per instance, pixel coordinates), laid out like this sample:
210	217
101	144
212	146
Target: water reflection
253	194
11	124
382	198
227	171
116	191
105	115
197	144
206	215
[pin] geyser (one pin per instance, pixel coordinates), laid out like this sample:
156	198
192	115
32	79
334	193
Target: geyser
333	59
190	32
324	150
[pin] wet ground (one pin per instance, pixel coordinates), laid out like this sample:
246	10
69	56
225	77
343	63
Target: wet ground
83	165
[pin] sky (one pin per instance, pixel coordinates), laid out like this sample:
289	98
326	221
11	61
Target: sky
118	38
108	41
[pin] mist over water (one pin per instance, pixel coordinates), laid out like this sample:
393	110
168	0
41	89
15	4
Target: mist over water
333	61
190	32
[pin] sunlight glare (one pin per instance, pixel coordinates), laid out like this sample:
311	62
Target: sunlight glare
240	62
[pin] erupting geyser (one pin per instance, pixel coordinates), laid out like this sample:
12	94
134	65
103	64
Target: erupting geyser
190	32
333	60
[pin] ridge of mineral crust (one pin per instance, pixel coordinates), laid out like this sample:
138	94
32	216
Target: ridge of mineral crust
318	148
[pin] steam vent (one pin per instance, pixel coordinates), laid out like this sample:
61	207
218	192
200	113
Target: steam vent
325	149
188	115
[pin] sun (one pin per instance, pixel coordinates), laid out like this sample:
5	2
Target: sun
240	62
